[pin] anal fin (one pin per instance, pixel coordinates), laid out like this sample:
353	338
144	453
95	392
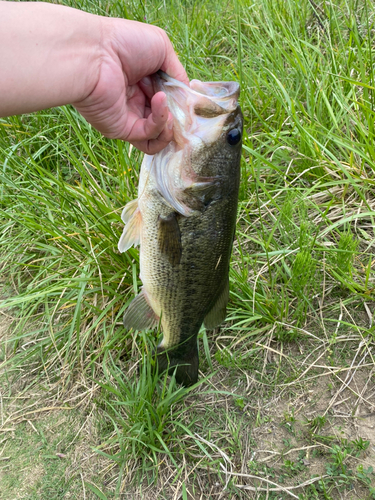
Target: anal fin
218	312
140	315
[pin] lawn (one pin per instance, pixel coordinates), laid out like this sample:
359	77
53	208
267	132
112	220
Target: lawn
285	404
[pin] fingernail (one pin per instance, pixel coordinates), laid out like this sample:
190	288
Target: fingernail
170	124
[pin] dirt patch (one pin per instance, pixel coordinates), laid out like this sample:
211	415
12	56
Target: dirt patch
47	452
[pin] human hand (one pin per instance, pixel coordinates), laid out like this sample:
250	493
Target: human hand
123	104
61	55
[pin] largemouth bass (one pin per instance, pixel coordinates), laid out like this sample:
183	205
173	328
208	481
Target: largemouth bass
184	219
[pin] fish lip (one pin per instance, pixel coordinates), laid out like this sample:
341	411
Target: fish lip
225	94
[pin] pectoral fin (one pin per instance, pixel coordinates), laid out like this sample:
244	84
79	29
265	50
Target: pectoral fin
131	235
169	238
204	185
217	314
129	210
140	315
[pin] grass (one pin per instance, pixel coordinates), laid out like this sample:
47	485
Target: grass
284	406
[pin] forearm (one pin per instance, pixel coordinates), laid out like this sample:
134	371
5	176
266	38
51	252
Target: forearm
49	56
52	55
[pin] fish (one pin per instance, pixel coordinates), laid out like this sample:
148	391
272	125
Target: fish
184	220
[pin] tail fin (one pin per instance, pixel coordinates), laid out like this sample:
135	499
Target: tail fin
185	358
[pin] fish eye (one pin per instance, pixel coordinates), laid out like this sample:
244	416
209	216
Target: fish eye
234	136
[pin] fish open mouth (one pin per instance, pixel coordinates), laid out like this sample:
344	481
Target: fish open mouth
199	110
225	94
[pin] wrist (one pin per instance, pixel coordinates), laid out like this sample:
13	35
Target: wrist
54	57
84	48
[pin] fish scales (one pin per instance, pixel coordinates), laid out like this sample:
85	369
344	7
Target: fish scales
186	228
186	292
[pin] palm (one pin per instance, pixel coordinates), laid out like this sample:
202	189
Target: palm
121	105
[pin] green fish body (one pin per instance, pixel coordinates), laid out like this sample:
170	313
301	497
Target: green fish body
185	219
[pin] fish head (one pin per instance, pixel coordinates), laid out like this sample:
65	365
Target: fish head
205	113
203	159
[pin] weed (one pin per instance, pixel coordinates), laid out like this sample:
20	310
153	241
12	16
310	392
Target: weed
317	423
293	468
139	409
360	444
347	248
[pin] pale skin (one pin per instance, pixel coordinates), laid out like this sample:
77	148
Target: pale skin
52	55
